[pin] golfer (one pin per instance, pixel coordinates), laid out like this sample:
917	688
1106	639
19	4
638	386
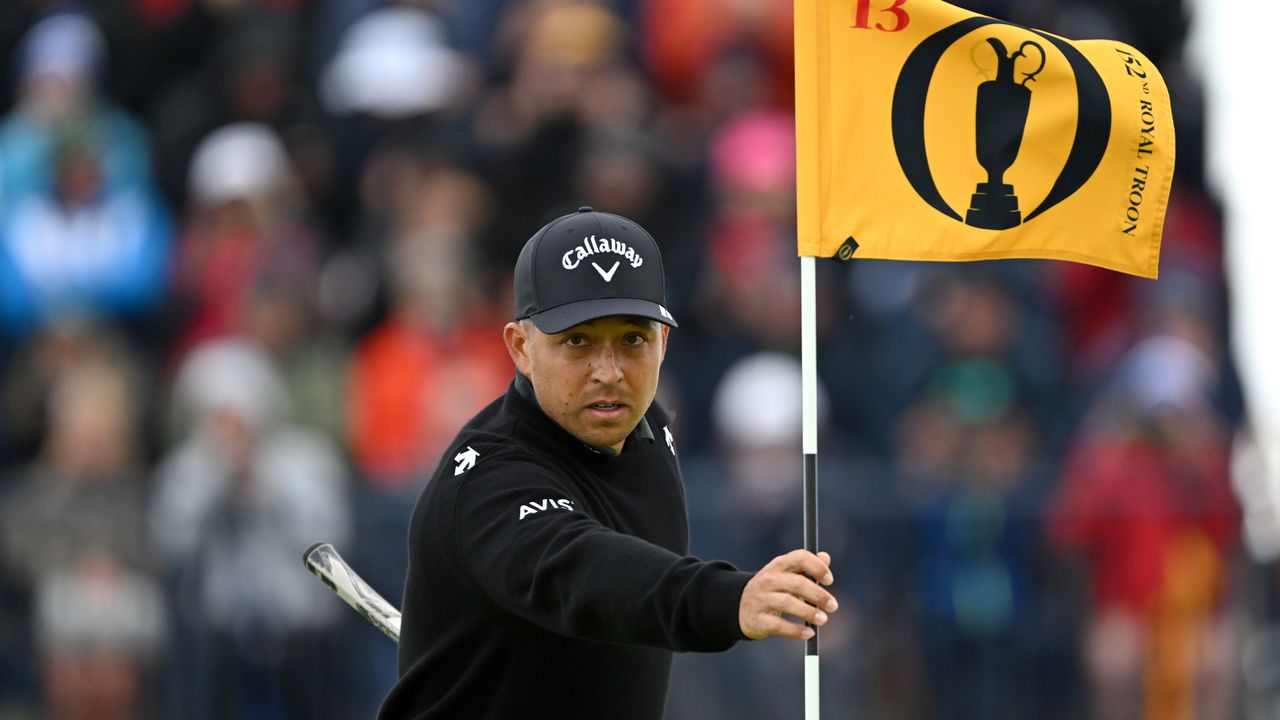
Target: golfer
549	574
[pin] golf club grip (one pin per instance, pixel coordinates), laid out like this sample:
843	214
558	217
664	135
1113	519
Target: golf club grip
325	563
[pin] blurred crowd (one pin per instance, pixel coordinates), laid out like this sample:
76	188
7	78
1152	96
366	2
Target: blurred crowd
254	260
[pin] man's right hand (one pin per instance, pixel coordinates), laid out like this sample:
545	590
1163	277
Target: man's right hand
782	588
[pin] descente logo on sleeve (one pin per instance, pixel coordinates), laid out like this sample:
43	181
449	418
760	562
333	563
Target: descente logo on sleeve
592	246
537	506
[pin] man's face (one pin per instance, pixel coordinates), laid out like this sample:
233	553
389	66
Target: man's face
596	379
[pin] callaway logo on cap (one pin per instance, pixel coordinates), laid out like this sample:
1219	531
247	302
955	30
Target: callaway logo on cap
588	265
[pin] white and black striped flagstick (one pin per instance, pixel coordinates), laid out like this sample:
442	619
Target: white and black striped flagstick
809	398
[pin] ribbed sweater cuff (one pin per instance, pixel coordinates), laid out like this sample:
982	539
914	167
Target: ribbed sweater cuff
723	594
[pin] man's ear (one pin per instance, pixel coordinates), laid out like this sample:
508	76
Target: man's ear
666	331
517	342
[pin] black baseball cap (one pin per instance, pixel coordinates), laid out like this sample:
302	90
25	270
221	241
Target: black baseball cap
588	265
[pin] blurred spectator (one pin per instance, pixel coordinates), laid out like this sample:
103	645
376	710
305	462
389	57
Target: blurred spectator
564	76
80	229
73	545
33	371
84	247
392	63
1098	316
438	355
293	324
99	629
683	41
1104	313
1145	499
618	171
59	63
218	62
751	160
966	452
924	325
250	264
557	52
748	292
392	78
994	334
247	235
237	501
87	481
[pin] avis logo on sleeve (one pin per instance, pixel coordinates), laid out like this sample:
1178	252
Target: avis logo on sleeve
537	506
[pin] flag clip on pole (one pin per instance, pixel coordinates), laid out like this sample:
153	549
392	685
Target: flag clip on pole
809	395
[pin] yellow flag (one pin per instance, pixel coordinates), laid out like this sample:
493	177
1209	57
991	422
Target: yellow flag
928	132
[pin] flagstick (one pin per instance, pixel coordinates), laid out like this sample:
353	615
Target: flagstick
809	400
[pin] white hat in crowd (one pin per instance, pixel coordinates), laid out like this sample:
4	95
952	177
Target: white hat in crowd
392	63
758	402
239	161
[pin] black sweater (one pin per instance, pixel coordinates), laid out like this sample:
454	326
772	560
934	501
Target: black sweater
547	579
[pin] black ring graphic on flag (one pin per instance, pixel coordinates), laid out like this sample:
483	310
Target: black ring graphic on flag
1093	126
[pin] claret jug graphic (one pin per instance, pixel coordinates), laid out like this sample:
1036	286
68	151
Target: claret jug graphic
1003	104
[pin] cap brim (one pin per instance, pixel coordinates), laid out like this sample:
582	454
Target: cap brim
561	318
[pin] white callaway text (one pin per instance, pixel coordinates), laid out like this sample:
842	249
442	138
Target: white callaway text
591	246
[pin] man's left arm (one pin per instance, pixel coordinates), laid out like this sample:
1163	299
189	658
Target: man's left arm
564	571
